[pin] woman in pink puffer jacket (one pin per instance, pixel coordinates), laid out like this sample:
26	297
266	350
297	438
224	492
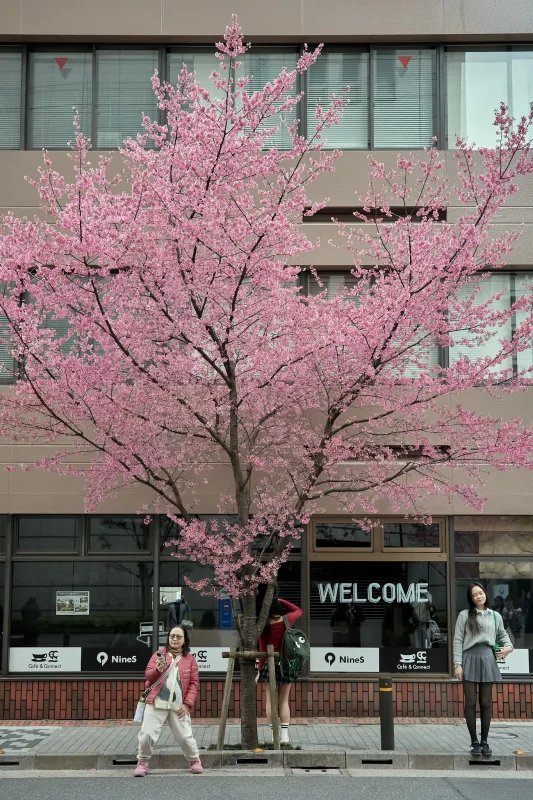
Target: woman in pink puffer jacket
173	675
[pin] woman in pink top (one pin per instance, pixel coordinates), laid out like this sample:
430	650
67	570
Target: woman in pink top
273	634
172	677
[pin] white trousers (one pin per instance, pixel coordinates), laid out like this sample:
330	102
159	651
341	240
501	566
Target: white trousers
153	721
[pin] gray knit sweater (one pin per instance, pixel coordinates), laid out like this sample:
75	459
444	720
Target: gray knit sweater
463	639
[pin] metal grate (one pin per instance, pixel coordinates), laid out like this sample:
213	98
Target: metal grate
316	771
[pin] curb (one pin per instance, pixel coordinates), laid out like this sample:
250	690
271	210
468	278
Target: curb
315	759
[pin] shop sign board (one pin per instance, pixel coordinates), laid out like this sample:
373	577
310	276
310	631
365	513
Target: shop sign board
413	660
114	659
45	660
516	663
209	659
344	659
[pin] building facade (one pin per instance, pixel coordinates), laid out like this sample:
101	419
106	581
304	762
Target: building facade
86	597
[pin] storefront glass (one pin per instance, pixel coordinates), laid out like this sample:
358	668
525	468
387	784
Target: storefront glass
119	534
74	603
509	588
494	535
41	534
341	534
409	535
2	578
361	608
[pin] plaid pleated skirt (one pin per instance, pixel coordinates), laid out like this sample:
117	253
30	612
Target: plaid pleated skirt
280	679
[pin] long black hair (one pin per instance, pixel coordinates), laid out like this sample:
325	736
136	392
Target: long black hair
186	646
275	611
473	621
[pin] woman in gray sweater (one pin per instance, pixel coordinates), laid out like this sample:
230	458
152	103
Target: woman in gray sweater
477	631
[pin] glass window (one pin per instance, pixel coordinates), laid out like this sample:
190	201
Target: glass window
341	534
2	579
477	82
201	62
120	534
170	531
3	533
379	604
330	283
523	283
329	76
212	626
120	600
405	104
505	535
265	67
10	94
475	345
47	533
509	588
410	534
124	93
58	81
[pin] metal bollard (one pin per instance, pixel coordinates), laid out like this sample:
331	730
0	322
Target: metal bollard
386	713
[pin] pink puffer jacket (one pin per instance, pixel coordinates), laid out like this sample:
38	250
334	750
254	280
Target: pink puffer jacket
188	669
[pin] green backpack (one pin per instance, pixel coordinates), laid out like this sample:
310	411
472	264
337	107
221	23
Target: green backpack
295	651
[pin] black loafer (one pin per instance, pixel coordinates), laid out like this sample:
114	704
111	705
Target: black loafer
485	749
475	749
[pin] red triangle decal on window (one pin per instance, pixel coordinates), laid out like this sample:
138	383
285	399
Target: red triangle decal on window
404	60
61	62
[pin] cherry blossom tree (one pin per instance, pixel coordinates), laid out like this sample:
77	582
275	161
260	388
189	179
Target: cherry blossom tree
190	349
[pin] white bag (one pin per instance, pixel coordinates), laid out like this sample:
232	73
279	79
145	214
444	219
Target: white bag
139	711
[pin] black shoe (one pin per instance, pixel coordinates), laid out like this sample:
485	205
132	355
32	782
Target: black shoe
475	749
485	749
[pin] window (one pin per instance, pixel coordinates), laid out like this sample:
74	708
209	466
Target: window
213	627
329	283
118	534
341	534
330	75
2	579
263	67
3	533
47	534
477	82
469	343
201	62
58	81
119	601
124	93
509	588
385	604
494	536
10	98
411	535
405	90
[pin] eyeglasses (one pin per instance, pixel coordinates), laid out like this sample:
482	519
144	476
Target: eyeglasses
175	636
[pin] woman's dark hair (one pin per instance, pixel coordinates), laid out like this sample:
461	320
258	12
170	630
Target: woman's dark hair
275	611
186	646
473	622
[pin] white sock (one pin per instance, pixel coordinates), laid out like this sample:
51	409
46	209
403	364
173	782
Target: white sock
284	732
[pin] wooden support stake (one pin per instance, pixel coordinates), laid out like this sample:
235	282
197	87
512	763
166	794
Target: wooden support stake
273	696
226	698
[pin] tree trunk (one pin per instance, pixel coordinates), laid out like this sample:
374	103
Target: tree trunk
249	738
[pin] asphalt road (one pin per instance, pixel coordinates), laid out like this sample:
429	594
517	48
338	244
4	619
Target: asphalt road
263	787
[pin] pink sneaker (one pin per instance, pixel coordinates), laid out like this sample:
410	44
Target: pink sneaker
141	769
196	766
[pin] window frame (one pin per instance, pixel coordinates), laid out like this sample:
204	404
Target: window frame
377	551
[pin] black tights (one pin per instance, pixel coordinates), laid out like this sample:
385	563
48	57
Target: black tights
485	708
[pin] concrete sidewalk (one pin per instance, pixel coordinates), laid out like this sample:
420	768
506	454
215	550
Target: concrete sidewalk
438	745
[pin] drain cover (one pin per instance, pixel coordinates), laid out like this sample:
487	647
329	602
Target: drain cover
316	771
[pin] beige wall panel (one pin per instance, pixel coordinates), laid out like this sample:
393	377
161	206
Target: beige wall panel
478	17
10	14
41	492
97	18
379	18
11	181
209	19
508	215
